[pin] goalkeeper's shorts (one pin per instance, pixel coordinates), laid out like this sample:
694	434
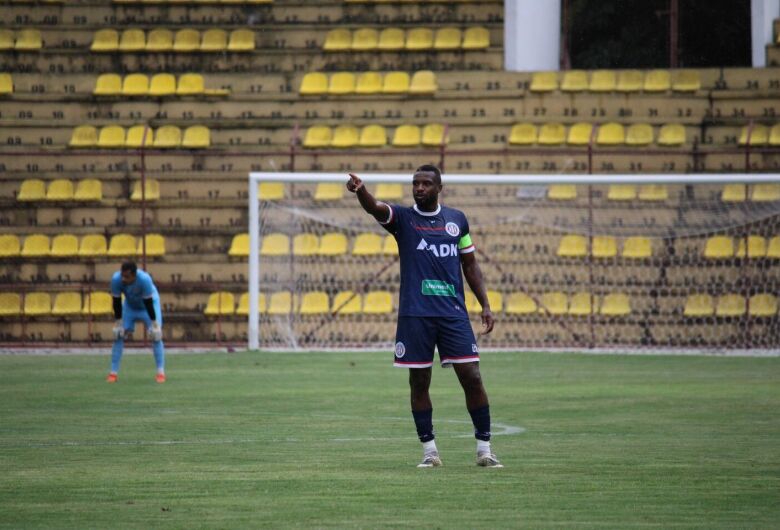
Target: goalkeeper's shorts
416	338
130	315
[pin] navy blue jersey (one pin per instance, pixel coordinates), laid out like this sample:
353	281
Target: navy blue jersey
430	245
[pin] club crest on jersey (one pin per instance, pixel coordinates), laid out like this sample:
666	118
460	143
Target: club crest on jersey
452	229
400	349
441	250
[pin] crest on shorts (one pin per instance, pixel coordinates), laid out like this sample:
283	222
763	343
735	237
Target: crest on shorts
474	348
452	229
400	349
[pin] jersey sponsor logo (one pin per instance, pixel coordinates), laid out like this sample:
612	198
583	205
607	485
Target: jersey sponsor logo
441	250
437	288
400	349
452	229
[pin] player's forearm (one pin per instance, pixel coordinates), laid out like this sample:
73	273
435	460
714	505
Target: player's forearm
117	303
473	275
149	305
379	210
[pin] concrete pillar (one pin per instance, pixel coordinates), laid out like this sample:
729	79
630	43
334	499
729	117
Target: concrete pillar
762	13
532	35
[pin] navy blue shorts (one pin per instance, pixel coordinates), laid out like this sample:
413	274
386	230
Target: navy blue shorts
416	338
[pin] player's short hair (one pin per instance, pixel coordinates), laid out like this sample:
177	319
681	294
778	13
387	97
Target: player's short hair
430	168
129	266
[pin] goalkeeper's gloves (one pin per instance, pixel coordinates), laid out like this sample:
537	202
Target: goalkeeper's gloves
118	330
155	333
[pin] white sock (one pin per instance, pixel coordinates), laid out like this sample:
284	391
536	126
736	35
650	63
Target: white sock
483	447
430	447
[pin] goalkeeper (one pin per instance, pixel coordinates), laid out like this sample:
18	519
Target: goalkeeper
434	244
142	302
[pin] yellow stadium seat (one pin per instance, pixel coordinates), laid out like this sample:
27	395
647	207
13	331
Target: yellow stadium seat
621	192
318	136
579	134
581	304
122	245
391	39
671	134
190	85
186	40
159	40
369	83
544	82
84	136
364	39
373	136
149	192
476	38
341	83
496	301
328	191
10	246
699	305
37	304
686	81
604	247
32	190
773	248
6	84
162	85
611	134
433	135
155	245
390	246
108	85
406	136
395	83
105	40
347	303
523	134
239	247
629	81
7	39
243	304
305	244
271	191
759	135
241	40
64	246
419	39
472	305
520	304
60	190
93	245
275	245
389	192
756	247
615	304
196	137
97	304
280	303
653	192
574	81
637	247
763	305
214	40
562	192
36	246
602	81
132	40
573	246
377	303
345	136
366	244
332	244
447	39
28	40
135	85
734	193
551	134
167	137
657	81
338	40
774	132
111	136
554	303
639	134
719	247
88	190
139	136
314	303
314	83
220	303
765	192
66	304
423	82
10	305
730	305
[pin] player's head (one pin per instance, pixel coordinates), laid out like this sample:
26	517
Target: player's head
426	185
129	269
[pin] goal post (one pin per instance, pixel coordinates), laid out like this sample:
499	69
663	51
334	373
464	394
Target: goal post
628	261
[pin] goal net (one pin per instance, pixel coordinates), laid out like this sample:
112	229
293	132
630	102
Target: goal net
623	262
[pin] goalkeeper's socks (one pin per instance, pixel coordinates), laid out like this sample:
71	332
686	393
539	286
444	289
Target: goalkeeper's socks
423	420
480	417
159	356
116	354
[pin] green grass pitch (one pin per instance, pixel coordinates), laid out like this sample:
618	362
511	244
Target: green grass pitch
326	440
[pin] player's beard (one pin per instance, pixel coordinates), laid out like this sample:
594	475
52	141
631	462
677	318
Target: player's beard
426	202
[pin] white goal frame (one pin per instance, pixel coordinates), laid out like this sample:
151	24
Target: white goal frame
255	178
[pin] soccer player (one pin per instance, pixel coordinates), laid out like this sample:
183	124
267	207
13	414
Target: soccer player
434	245
142	302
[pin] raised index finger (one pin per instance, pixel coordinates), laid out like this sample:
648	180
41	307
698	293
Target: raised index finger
354	177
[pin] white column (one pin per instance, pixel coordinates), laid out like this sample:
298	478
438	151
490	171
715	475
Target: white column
532	35
762	13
